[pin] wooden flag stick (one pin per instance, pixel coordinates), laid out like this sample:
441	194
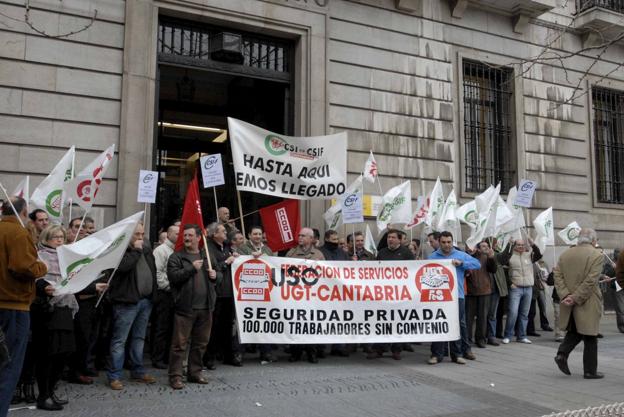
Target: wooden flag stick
240	213
80	227
245	215
214	192
207	253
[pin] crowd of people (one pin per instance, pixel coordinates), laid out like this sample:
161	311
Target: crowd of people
182	302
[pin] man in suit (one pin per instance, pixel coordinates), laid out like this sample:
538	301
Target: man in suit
576	281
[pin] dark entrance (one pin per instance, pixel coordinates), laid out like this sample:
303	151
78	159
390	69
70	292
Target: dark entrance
207	74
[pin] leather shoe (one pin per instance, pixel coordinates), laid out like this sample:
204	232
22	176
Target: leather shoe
176	383
493	342
237	360
210	366
116	384
145	378
534	334
480	344
49	405
547	329
597	375
562	363
470	356
160	365
374	354
81	380
57	400
197	380
312	358
396	356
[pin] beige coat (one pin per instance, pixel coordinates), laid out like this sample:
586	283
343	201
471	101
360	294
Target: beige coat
578	273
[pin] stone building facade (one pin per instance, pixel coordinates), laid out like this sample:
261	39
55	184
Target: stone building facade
433	88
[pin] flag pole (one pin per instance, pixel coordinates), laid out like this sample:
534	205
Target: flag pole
206	249
379	184
105	289
71	201
80	227
353	238
214	192
240	212
12	206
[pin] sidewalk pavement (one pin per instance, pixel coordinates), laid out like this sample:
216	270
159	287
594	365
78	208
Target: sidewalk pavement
509	380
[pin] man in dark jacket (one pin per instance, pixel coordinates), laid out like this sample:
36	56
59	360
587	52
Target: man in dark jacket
224	338
131	291
394	251
192	286
361	254
331	249
479	283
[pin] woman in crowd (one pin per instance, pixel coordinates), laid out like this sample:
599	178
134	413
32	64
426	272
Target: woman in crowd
53	327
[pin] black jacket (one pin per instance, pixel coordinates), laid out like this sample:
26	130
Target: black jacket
218	255
402	253
334	254
123	288
180	272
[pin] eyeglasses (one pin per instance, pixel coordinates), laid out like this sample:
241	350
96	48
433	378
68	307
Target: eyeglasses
57	237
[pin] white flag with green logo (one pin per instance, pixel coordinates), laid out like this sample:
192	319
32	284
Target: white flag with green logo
82	262
83	188
570	234
448	218
369	242
396	206
544	227
436	204
49	194
333	216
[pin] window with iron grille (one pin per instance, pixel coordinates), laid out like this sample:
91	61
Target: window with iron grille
489	148
193	43
615	5
609	144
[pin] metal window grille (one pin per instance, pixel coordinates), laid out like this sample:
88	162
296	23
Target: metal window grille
609	144
489	149
615	5
187	40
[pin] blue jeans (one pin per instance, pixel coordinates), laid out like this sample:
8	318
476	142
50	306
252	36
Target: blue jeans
519	305
491	318
459	347
15	325
129	320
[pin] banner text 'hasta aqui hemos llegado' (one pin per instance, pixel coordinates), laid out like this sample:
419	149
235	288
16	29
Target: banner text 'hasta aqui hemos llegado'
302	168
286	300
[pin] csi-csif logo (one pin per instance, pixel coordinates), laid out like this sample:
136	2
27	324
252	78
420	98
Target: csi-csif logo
275	145
148	178
527	186
350	200
211	162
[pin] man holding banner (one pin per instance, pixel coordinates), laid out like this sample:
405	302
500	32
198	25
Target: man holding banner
460	349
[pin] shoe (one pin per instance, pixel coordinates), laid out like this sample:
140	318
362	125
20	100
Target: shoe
480	344
597	375
524	340
28	393
49	405
396	356
160	365
470	356
373	354
505	341
145	378
459	361
294	358
81	380
599	336
116	384
547	329
266	358
534	334
559	339
433	360
57	400
493	342
312	358
210	365
176	383
320	353
91	372
408	347
237	360
197	380
17	395
339	352
562	363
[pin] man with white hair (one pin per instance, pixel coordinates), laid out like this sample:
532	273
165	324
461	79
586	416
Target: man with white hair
576	280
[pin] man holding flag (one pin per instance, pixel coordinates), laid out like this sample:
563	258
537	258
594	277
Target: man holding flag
131	292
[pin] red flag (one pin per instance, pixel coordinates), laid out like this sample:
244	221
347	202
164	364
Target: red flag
192	212
281	223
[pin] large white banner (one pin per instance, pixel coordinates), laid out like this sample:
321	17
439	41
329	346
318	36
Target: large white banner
291	301
302	168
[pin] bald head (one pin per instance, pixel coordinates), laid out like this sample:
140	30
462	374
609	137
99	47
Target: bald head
172	233
223	214
306	237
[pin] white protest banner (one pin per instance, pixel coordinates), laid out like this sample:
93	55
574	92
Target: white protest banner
302	168
351	201
293	301
570	234
212	170
544	227
82	262
524	197
148	186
